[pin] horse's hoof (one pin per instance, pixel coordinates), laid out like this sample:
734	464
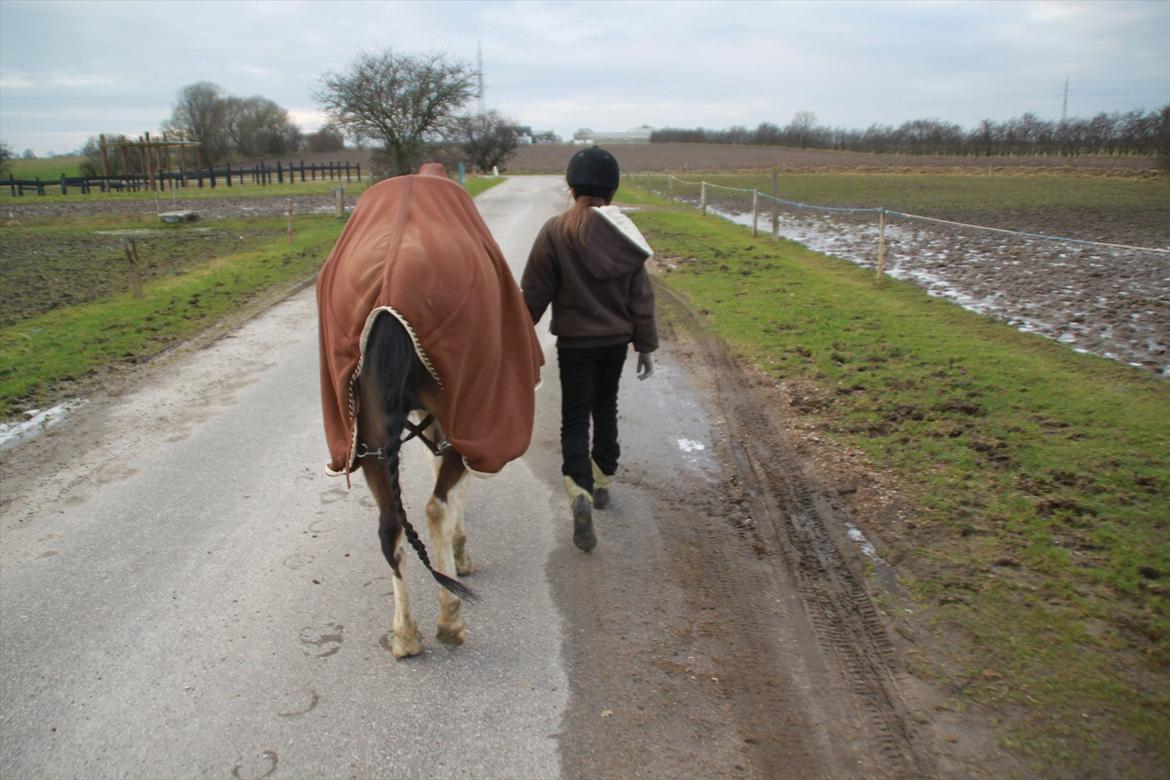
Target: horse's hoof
451	635
600	498
583	535
463	564
406	648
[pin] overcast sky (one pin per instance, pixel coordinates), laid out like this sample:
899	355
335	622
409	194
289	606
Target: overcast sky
71	70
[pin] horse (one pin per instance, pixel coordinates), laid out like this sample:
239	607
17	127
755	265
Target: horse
392	385
424	334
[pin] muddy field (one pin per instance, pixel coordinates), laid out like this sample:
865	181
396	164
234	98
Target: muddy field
33	210
54	268
546	158
1102	300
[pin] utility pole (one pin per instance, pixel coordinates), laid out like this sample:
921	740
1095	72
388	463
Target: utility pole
1064	105
479	75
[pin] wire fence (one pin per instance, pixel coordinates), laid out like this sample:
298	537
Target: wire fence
1109	299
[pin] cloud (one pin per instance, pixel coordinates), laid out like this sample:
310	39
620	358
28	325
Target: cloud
564	65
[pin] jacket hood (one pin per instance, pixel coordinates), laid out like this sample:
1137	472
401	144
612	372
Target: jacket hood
616	246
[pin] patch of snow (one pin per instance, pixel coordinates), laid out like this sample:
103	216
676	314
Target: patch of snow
35	423
858	537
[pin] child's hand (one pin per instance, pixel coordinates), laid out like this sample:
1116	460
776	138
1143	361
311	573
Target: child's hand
645	365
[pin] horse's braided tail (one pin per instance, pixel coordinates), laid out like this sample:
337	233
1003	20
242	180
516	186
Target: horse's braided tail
451	584
398	370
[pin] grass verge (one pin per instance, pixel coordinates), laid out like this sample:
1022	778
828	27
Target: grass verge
1036	551
477	184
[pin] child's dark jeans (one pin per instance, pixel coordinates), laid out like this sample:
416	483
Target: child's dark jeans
589	389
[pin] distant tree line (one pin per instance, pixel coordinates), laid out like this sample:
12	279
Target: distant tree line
1138	132
409	107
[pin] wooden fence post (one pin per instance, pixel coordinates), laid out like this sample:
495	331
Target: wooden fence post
302	170
64	186
775	205
105	164
339	202
755	213
881	258
703	198
11	185
670	188
131	249
290	213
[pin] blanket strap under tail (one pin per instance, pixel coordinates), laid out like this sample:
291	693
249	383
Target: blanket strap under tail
416	431
437	447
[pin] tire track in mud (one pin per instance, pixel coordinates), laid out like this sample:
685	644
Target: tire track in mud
795	522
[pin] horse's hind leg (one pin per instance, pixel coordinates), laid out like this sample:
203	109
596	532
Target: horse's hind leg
456	501
405	639
444	517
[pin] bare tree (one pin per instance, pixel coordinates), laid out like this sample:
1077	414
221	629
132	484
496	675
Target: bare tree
802	125
488	139
401	101
200	111
6	155
327	139
258	127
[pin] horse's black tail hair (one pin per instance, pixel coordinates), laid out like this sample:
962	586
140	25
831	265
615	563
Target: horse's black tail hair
395	366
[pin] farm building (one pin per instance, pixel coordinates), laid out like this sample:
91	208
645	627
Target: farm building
636	135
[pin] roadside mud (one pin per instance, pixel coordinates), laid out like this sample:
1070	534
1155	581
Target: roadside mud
793	512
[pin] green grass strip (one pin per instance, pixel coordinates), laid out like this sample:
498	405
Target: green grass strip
477	184
1039	478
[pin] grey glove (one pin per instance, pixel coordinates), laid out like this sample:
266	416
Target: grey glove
645	365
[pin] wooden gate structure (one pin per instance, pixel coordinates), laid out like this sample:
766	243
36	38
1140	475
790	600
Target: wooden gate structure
154	153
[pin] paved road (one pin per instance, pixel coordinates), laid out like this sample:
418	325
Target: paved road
184	593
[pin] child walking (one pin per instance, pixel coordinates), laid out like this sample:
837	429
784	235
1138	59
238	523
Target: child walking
589	263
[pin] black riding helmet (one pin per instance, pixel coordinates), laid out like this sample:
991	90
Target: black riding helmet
593	171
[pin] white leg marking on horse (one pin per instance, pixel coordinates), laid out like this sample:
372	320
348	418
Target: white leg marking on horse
457	501
441	524
407	640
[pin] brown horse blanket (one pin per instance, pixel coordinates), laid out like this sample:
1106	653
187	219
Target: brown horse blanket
416	246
